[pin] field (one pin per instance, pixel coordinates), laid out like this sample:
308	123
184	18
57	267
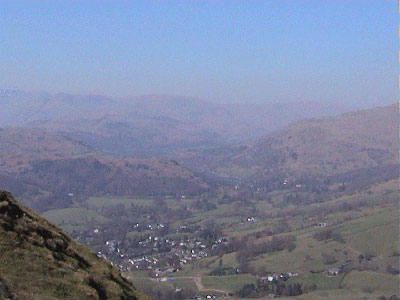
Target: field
74	218
367	229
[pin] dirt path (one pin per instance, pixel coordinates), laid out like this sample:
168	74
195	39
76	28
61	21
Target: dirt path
201	288
197	282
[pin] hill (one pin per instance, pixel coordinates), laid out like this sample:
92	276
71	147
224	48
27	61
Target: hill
316	196
357	147
21	146
150	124
355	234
39	261
49	170
360	139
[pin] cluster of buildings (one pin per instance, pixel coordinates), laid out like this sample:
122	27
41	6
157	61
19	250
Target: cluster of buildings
155	253
274	278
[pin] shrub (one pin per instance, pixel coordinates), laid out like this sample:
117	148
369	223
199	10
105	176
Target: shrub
323	234
368	289
392	270
246	290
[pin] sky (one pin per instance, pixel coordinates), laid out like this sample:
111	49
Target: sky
343	51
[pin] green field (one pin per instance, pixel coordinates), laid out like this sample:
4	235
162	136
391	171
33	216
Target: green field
376	232
99	202
70	219
370	229
229	283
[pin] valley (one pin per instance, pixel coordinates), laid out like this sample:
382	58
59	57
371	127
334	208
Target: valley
195	150
308	211
225	249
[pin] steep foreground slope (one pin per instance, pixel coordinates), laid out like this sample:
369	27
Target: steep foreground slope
38	261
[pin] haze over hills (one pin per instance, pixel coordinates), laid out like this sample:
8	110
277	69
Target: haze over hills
354	140
285	203
320	146
52	165
199	149
39	261
150	124
45	169
21	146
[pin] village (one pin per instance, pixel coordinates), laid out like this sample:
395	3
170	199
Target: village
162	258
165	247
151	251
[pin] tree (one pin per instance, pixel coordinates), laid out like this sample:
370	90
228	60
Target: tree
246	290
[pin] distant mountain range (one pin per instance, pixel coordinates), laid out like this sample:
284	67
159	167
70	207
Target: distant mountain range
87	146
234	163
150	125
39	261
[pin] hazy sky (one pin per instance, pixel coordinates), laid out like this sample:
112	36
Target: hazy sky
217	50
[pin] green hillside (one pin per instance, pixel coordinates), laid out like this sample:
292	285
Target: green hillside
360	238
39	262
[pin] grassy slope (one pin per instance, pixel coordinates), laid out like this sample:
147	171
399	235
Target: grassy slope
73	218
39	261
330	145
373	230
43	168
370	230
21	146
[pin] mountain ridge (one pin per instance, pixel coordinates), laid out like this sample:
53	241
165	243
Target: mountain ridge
328	150
44	168
150	124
